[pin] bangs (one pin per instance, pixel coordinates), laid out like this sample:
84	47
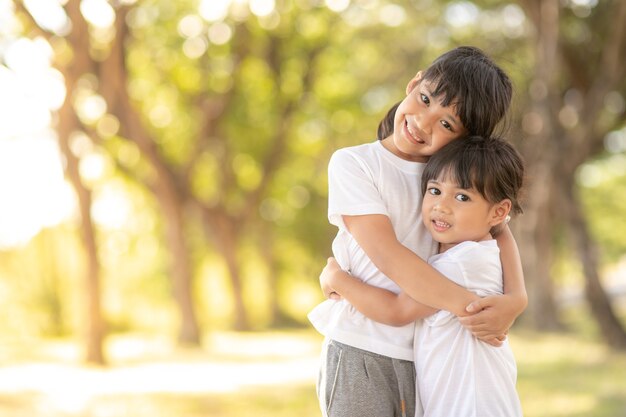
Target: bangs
463	165
491	167
474	85
464	175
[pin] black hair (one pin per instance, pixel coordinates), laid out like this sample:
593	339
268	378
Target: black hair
469	79
491	166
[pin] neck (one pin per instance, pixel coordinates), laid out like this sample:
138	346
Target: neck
445	246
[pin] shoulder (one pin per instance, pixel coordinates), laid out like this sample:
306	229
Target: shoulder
357	151
358	155
470	259
474	251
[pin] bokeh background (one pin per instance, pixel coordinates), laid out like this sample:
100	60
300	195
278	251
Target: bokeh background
163	193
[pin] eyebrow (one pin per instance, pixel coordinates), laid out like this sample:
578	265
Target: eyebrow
449	116
455	185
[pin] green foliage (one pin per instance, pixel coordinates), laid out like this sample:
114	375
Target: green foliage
603	185
313	79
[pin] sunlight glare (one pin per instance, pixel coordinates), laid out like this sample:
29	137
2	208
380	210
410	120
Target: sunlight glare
392	15
462	14
615	141
220	33
92	167
9	25
49	15
212	10
337	5
28	56
40	198
24	115
90	107
513	16
262	8
112	208
585	3
195	47
98	12
190	26
32	79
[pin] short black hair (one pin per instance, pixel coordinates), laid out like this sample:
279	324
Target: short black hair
491	166
467	78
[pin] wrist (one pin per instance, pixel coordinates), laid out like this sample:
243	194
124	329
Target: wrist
337	278
518	302
461	306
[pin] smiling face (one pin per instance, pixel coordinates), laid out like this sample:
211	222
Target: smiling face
454	215
422	125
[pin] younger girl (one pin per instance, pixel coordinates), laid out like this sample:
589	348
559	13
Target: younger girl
469	186
374	200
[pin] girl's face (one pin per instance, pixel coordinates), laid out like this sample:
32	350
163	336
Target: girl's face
422	125
453	215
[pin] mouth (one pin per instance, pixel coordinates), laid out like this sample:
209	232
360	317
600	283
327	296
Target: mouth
412	134
440	225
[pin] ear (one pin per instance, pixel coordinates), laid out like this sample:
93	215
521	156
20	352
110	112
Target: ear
414	82
499	211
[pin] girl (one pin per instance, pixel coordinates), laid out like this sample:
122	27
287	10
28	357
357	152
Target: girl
367	367
469	186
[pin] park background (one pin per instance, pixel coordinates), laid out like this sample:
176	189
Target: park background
163	193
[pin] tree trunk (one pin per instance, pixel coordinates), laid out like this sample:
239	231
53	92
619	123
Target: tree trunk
610	327
535	240
225	232
68	124
94	323
170	196
189	332
540	154
278	318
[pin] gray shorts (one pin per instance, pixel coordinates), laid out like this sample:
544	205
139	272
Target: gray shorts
357	383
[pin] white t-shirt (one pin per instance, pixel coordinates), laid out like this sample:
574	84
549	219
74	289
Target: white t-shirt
369	179
458	375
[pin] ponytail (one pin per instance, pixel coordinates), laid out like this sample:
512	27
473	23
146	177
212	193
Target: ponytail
385	128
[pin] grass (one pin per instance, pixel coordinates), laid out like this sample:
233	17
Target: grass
273	374
561	375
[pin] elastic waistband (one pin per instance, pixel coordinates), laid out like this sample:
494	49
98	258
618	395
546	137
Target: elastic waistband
363	351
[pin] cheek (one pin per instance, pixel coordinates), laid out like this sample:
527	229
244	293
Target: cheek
443	140
426	206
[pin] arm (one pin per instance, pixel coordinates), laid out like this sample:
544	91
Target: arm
376	303
496	314
375	234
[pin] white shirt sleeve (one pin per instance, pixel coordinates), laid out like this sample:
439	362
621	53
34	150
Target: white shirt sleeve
352	188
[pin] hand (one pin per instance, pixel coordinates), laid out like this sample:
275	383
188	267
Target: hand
496	341
491	318
326	278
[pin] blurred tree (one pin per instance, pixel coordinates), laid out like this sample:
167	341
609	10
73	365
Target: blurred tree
83	54
579	58
235	108
67	126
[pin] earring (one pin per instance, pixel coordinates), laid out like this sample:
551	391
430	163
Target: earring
507	219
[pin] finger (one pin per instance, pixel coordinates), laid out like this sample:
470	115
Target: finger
493	342
485	335
472	321
474	307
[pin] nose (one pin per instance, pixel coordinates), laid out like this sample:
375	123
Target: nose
441	206
424	121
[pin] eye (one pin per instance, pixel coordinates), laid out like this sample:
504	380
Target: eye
462	197
433	191
425	99
447	125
